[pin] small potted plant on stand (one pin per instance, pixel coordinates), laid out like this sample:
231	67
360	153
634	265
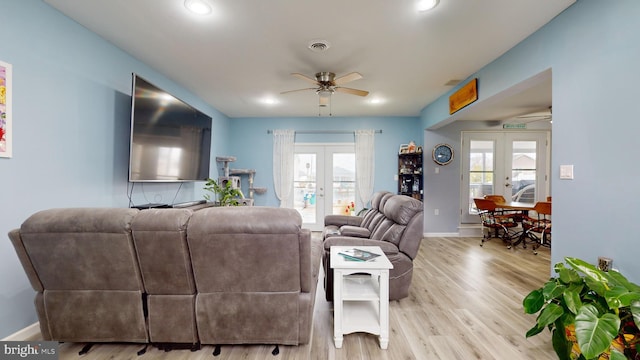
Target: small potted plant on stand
225	195
592	314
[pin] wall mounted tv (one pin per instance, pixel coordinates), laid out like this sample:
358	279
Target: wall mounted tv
170	140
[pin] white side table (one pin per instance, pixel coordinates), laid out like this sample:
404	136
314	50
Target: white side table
360	295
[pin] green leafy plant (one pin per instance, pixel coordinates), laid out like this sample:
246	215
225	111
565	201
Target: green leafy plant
592	314
225	195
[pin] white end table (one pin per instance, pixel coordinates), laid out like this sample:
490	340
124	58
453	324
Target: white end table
360	295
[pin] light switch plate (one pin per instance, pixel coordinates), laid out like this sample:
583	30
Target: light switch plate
566	172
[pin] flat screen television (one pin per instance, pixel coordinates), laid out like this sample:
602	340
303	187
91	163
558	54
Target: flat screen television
170	140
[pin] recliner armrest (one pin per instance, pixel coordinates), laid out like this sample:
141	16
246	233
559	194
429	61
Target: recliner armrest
340	220
356	231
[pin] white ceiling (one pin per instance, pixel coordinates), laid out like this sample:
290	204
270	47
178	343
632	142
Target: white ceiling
246	50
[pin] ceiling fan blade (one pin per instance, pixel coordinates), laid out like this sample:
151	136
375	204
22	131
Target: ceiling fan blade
306	78
290	91
347	78
352	91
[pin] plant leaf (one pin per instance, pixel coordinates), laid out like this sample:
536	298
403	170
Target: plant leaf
617	355
619	279
568	276
590	271
552	290
620	296
561	346
533	302
549	314
595	333
534	331
596	285
635	310
572	300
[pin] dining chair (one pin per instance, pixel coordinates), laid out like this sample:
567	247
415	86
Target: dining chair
538	228
496	222
499	199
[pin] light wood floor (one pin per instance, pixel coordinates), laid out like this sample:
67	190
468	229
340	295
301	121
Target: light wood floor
465	303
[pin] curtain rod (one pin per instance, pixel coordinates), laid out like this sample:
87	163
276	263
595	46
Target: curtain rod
325	132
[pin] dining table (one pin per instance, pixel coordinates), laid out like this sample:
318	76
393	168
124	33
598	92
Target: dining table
522	207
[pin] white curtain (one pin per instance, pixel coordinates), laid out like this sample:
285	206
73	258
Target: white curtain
283	149
364	164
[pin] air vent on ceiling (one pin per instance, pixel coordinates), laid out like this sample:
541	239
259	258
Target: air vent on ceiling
318	45
453	82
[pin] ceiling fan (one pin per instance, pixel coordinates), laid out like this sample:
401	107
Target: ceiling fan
327	83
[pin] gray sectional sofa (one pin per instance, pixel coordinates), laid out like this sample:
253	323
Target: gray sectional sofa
394	222
220	275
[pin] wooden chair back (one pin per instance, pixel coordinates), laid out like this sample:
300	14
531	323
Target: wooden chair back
485	204
543	207
498	199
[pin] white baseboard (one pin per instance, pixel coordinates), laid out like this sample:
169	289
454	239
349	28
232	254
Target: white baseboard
470	230
25	334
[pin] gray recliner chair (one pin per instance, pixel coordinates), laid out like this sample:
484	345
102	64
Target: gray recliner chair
395	223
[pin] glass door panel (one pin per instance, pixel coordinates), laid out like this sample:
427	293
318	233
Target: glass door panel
523	171
315	166
344	183
481	172
304	185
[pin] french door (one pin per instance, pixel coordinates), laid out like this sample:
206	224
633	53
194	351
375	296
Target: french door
512	164
324	181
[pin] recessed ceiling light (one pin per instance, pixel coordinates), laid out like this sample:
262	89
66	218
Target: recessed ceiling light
376	101
426	5
200	7
269	101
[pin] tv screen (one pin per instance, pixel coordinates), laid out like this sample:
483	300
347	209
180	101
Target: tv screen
170	140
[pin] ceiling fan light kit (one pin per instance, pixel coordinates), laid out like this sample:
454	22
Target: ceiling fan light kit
200	7
327	83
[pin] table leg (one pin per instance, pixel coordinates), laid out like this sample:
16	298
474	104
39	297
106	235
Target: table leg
337	307
384	309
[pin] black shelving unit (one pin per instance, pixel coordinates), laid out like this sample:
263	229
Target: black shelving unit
410	175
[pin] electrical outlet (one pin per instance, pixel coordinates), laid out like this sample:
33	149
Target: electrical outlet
436	212
604	263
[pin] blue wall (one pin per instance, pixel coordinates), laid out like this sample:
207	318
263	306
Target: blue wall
253	146
71	103
593	51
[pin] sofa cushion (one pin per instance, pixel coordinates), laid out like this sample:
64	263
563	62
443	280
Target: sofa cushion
160	236
83	249
401	209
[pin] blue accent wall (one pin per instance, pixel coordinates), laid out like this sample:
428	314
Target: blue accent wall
253	146
592	50
71	125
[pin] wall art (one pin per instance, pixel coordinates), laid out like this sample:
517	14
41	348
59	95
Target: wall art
5	110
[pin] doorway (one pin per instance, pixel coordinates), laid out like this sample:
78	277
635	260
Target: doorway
512	164
324	181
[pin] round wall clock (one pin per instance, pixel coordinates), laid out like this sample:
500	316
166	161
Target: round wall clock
442	154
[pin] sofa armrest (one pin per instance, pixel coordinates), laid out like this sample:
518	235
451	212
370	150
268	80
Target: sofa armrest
340	220
355	231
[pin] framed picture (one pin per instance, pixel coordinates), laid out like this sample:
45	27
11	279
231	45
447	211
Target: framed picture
5	110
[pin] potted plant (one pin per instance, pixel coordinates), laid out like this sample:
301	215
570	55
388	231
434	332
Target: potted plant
592	314
225	195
